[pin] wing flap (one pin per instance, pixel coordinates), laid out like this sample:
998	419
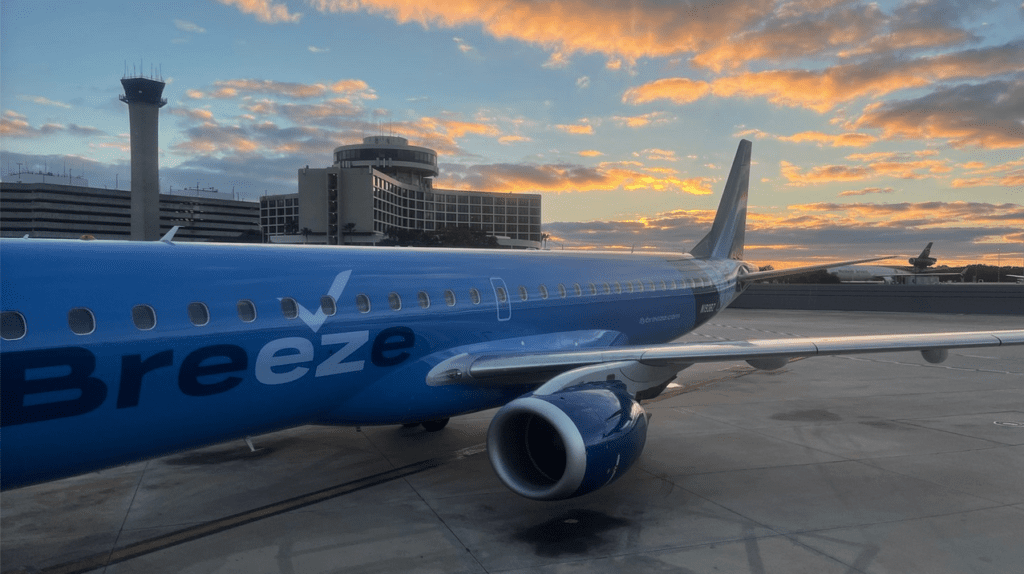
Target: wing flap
524	368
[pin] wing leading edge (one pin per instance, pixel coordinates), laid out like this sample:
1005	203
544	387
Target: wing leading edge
516	369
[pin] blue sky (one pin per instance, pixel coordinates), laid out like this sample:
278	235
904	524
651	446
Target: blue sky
877	126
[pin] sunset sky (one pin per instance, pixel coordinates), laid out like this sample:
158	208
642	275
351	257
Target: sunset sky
877	126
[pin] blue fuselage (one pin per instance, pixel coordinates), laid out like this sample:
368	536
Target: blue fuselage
132	350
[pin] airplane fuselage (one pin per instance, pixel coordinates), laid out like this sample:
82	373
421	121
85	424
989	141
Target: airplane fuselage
132	350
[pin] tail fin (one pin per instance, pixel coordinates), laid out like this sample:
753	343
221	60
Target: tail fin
725	240
927	250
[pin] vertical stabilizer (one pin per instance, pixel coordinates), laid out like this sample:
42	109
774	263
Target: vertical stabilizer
725	240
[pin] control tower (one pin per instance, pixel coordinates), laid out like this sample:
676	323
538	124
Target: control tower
144	102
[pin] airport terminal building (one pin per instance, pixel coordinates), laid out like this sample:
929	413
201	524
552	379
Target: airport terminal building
385	184
52	206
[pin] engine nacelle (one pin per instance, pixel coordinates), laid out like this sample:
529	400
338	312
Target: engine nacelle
568	443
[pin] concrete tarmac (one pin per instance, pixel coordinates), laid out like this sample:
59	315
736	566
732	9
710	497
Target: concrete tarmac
859	464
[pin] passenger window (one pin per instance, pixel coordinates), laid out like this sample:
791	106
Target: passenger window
607	289
246	311
198	313
394	301
576	289
543	292
424	299
502	297
474	296
639	286
593	289
289	308
449	298
363	303
618	288
328	305
561	291
629	287
523	294
650	284
664	286
81	321
12	325
144	317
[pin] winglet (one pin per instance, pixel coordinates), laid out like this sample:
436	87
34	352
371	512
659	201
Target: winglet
167	238
725	240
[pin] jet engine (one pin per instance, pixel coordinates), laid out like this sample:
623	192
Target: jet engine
567	443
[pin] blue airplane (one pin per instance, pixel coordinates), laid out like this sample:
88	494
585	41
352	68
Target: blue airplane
119	351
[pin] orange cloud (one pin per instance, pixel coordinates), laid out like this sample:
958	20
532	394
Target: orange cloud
569	178
513	139
590	153
622	30
880	164
233	88
576	129
264	10
643	120
822	90
986	115
866	191
677	90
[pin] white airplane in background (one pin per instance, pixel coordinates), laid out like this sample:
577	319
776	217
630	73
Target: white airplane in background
117	351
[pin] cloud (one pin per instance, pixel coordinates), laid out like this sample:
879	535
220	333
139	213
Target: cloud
866	191
659	154
849	139
316	50
626	176
880	164
576	129
677	90
988	115
186	26
15	125
225	89
621	30
264	10
817	232
513	139
590	153
583	82
653	118
822	90
44	101
463	46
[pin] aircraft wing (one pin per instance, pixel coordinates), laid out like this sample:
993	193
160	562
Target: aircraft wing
759	275
497	369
